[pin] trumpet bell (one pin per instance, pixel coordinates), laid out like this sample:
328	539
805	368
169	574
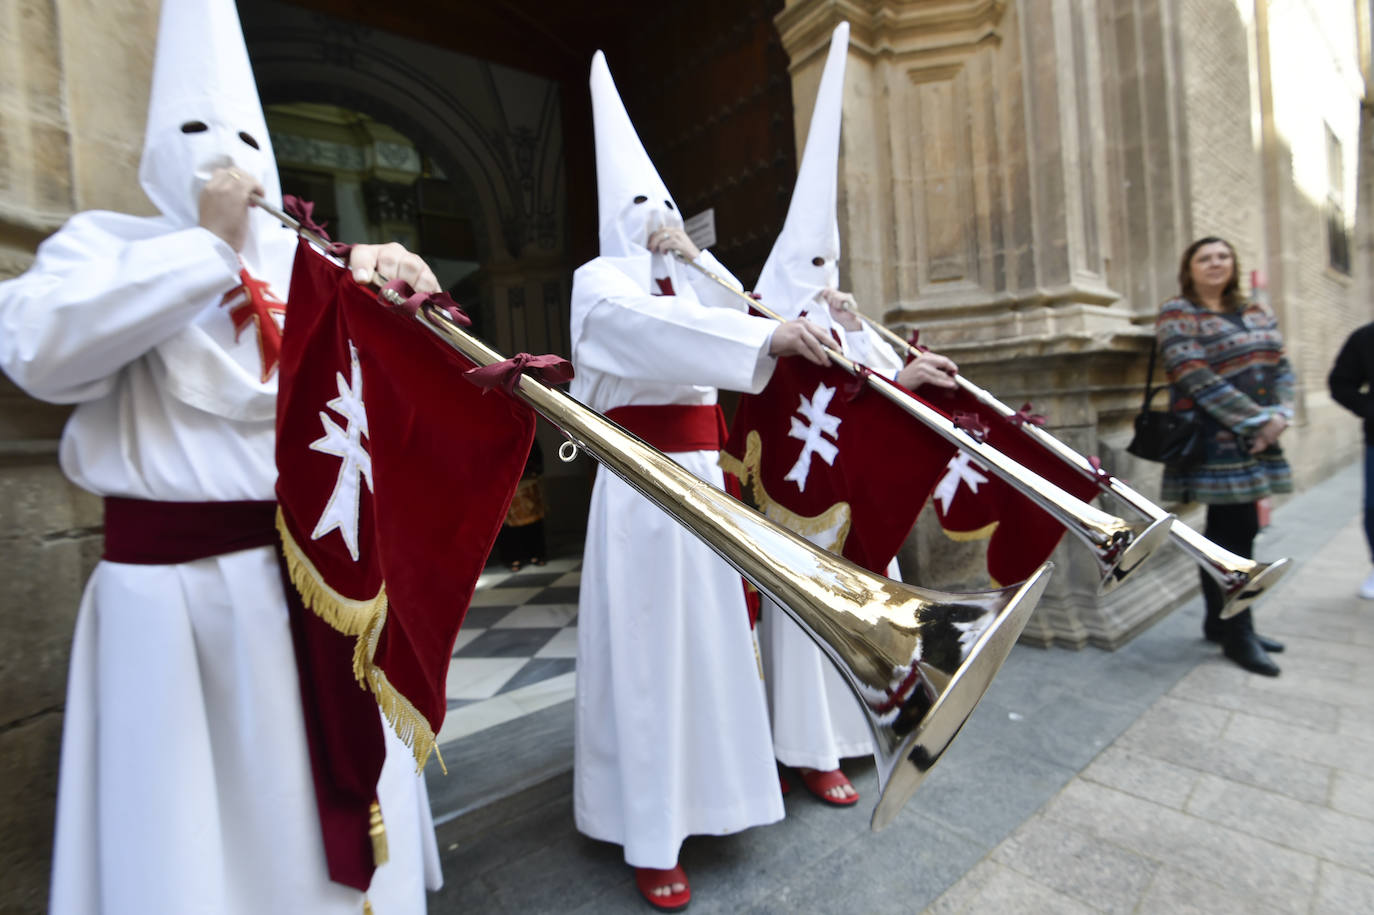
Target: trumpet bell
955	653
1250	586
1141	544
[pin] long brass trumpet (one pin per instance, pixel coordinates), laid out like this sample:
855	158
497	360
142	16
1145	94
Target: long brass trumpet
1243	581
918	661
1119	548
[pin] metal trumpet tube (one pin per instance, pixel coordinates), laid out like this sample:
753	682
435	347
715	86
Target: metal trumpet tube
1118	547
1243	581
917	660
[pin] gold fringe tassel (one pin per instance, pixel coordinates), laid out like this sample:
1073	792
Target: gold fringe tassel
349	616
367	906
376	830
364	619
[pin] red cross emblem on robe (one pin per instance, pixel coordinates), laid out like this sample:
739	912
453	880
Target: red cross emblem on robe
257	305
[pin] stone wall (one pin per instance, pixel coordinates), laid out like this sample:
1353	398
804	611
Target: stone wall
1019	179
1310	85
1219	80
73	96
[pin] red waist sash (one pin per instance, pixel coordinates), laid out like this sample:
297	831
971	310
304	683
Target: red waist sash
674	427
345	756
143	532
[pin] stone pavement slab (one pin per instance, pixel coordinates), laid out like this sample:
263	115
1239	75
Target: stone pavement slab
1231	792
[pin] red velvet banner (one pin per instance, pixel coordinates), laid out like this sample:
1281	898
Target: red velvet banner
1024	535
394	477
884	465
821	454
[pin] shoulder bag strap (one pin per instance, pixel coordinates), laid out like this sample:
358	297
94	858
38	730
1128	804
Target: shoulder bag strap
1150	377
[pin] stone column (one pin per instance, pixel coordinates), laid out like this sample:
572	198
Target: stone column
1020	201
73	98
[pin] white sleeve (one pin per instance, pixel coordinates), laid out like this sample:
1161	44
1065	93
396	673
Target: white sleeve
674	340
93	302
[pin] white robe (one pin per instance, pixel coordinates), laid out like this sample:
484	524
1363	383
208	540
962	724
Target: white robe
816	719
185	783
671	720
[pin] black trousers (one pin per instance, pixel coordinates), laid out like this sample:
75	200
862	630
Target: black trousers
1233	527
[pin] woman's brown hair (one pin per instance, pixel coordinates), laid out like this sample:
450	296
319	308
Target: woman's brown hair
1230	296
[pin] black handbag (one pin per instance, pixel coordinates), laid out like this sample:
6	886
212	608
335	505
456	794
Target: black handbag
1174	437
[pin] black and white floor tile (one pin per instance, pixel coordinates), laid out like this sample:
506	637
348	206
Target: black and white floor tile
517	650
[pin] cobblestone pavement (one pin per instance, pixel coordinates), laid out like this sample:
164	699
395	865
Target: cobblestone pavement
1157	778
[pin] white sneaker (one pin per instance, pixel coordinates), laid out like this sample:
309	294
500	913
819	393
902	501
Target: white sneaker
1367	589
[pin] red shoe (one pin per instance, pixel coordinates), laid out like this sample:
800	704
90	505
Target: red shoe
649	879
820	782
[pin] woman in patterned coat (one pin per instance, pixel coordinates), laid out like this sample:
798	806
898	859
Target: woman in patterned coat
1224	357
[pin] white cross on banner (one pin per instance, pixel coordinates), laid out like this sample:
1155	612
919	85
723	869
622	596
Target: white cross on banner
813	435
341	512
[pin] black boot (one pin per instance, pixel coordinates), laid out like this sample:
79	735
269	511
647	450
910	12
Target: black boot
1212	599
1241	646
1213	629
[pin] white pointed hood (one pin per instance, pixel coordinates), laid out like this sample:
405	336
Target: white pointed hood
204	114
791	277
624	175
202	78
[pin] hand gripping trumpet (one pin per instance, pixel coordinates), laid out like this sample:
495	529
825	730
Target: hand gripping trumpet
918	661
1243	581
1119	548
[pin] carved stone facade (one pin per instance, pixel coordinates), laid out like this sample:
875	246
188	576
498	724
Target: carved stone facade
71	131
1019	178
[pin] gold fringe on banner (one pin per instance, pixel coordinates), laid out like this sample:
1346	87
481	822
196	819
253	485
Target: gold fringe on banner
409	724
365	620
349	616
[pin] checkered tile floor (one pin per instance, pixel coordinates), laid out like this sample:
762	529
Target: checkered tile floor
517	650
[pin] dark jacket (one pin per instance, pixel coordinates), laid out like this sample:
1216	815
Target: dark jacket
1354	369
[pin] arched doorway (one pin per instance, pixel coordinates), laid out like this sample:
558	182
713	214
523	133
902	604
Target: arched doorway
459	159
493	98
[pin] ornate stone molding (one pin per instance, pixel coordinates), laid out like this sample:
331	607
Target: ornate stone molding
930	33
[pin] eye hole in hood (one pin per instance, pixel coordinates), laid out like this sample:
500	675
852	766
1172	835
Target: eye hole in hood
248	138
194	127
